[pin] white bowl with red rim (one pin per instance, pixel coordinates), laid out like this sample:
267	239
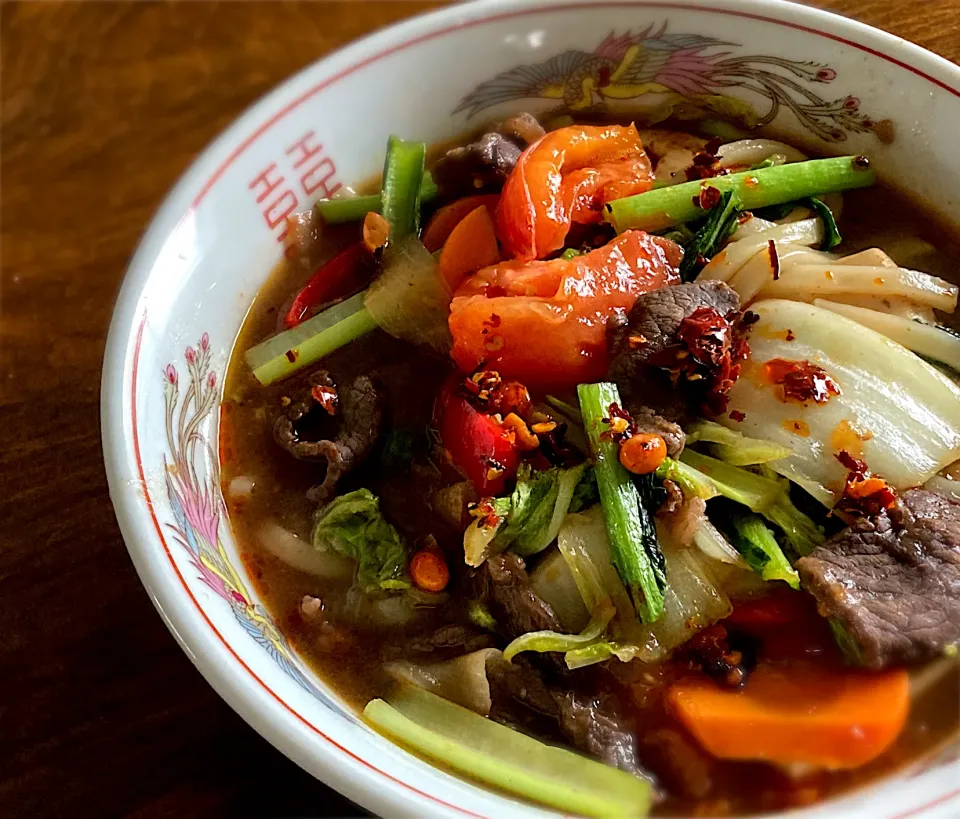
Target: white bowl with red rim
822	81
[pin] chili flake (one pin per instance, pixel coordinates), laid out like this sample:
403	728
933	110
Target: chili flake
774	258
326	397
800	381
709	349
864	494
736	415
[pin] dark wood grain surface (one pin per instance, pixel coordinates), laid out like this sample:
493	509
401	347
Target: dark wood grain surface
103	106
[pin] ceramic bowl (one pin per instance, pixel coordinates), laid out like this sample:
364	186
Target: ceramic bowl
831	84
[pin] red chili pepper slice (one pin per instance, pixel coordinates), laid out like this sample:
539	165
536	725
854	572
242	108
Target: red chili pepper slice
333	279
482	447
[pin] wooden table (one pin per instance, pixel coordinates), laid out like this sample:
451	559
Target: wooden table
103	106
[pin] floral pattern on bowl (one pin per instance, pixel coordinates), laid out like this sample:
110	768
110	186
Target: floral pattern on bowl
683	75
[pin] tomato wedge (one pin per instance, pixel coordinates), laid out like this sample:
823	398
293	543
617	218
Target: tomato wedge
566	176
544	323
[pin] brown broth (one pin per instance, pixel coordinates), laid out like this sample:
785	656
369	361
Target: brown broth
349	658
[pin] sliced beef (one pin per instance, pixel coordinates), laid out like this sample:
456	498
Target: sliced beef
651	327
502	582
592	723
893	581
595	723
446	642
677	761
486	163
339	439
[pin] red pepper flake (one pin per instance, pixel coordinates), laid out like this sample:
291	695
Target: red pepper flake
864	494
861	163
751	182
636	341
774	258
490	393
709	349
789	336
709	197
801	381
326	397
493	321
293	355
736	415
748	318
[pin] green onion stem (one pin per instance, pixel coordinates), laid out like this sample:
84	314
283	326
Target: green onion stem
662	208
354	208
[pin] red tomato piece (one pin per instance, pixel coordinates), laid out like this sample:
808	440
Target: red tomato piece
483	448
545	323
565	176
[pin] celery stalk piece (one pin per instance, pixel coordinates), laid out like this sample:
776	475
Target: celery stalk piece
400	188
634	548
499	756
284	354
354	208
662	208
752	538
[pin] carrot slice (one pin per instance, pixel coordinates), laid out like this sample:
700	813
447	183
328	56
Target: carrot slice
443	222
797	713
471	246
429	570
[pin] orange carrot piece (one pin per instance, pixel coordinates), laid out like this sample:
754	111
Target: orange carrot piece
471	246
429	570
797	713
443	222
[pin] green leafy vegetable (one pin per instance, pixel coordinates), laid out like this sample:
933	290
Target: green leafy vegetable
585	493
399	449
635	550
400	189
353	526
733	447
774	213
480	616
543	641
354	208
539	503
721	222
831	233
764	495
516	763
664	207
849	647
693	483
751	537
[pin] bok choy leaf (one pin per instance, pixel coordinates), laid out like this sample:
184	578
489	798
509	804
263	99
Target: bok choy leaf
894	411
352	525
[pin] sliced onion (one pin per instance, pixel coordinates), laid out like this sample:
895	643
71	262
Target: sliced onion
945	486
714	545
300	555
927	340
462	680
745	153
